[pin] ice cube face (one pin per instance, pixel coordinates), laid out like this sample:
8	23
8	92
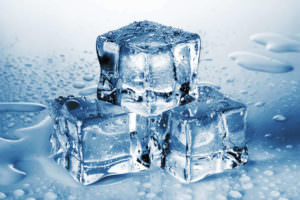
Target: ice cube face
152	135
94	139
147	67
206	136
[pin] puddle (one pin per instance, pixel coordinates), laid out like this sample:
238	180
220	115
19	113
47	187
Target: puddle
255	62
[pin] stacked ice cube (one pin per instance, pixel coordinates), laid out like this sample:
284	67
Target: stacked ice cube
206	136
147	67
149	112
93	139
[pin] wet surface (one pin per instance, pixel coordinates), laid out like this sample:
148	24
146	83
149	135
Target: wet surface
54	54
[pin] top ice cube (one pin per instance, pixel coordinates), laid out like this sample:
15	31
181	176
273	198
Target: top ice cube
147	67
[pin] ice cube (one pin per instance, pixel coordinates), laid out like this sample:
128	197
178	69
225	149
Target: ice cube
94	139
152	134
206	136
147	67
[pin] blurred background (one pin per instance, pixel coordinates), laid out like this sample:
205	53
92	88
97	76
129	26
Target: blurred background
47	49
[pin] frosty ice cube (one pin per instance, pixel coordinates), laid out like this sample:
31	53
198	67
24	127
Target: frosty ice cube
147	67
205	137
94	139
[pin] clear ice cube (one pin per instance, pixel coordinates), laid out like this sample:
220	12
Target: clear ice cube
94	139
206	136
151	133
147	67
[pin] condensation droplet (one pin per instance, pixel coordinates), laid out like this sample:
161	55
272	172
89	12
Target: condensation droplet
259	104
19	193
247	186
243	91
50	196
88	77
275	193
2	195
221	197
147	185
150	195
235	194
283	198
78	85
279	118
245	178
268	172
30	198
268	134
141	193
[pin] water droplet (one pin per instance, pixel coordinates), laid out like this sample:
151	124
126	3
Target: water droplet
243	91
268	172
235	194
247	186
185	196
245	178
260	63
78	85
221	197
30	198
268	134
275	193
8	65
50	60
278	149
206	59
19	193
10	124
150	195
26	185
88	77
259	104
276	42
142	193
147	185
50	196
279	118
283	198
230	80
53	88
2	195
